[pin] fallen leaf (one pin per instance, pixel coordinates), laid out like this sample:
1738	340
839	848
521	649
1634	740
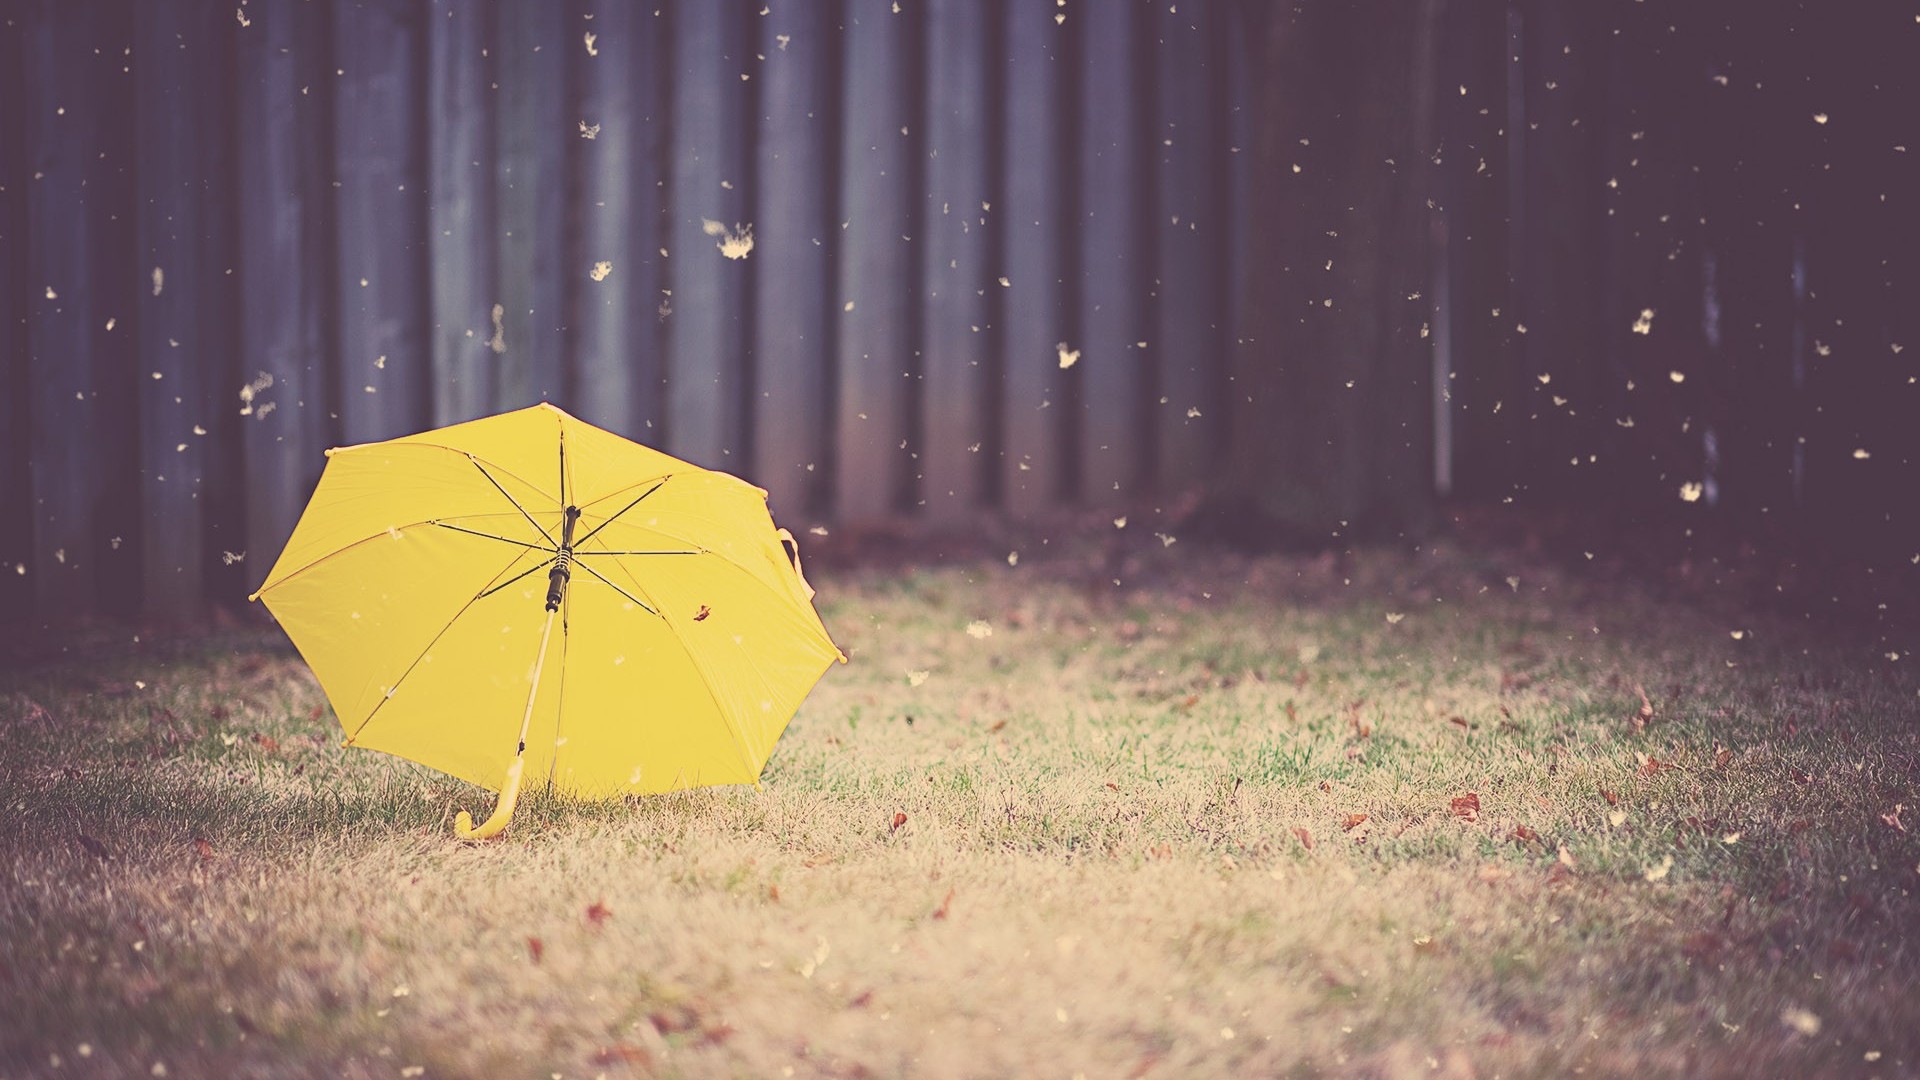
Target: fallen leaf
1458	721
1641	718
598	913
1893	820
940	913
997	725
1306	838
1612	799
1660	872
623	1053
535	949
1467	806
1524	835
204	847
1353	821
701	615
899	819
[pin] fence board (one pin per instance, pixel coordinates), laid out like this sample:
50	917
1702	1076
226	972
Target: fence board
16	479
536	132
380	199
706	335
1116	442
175	73
955	215
617	353
1188	333
80	363
283	398
1033	468
875	337
461	210
794	240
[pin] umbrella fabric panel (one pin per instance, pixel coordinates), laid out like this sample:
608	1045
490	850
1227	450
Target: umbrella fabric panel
459	708
602	466
371	616
638	714
712	512
386	488
758	650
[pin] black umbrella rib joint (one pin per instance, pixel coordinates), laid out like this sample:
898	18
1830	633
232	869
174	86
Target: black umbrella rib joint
562	571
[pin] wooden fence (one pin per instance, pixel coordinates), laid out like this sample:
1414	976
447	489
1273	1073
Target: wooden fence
933	257
832	247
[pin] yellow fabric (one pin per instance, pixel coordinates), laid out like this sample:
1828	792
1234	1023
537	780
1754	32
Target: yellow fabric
424	641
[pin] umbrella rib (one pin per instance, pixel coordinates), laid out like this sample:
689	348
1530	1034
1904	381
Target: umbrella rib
532	570
603	578
490	536
617	492
622	510
511	499
442	632
578	554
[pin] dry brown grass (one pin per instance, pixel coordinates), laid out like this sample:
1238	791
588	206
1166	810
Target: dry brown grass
1100	871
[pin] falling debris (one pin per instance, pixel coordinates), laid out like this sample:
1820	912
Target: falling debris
734	244
1068	357
1644	324
600	270
159	279
589	132
498	343
1677	376
1690	491
591	37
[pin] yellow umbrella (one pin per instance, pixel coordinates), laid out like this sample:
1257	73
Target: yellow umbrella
426	576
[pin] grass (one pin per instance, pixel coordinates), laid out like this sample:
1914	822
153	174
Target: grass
1119	835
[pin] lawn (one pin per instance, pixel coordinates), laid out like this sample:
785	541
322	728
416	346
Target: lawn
1445	813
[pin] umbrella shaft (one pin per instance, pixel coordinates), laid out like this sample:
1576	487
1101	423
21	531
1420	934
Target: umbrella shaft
533	691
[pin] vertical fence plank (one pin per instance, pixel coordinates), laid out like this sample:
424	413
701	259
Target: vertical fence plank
461	241
1035	323
380	169
283	401
175	70
535	135
1483	393
706	334
81	337
1117	440
875	337
617	353
794	238
954	212
16	478
1188	335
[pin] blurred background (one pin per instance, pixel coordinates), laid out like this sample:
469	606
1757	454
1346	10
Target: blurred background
1629	272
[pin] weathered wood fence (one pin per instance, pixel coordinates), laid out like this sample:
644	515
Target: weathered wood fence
939	257
832	247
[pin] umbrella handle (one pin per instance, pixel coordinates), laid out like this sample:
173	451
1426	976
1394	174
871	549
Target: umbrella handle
496	823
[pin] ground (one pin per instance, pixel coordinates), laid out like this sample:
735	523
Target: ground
1440	813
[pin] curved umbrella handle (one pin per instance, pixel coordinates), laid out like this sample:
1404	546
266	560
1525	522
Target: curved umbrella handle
496	823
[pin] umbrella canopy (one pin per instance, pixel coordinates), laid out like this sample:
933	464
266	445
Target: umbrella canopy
427	576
